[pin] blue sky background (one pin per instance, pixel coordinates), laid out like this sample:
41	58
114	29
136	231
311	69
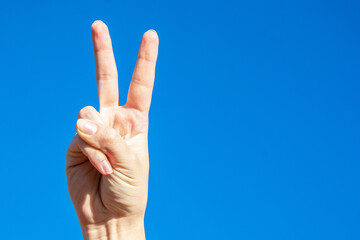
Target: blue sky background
254	125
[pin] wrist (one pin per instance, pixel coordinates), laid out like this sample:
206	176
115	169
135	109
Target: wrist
126	228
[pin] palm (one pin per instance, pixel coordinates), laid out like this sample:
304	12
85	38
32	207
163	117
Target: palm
128	122
101	194
99	198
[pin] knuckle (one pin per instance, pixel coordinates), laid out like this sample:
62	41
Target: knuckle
105	76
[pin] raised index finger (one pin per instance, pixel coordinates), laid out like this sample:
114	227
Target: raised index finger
106	72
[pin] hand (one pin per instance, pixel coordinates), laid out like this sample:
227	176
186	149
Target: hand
107	160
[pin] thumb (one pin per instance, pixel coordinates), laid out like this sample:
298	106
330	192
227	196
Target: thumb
104	138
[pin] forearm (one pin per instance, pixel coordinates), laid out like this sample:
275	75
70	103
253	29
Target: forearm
115	229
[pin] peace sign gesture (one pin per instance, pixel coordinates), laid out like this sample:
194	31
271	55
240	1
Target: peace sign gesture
107	160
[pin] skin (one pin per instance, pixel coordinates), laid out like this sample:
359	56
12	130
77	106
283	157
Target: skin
107	160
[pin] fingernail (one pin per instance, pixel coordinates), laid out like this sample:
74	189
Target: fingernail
106	167
86	126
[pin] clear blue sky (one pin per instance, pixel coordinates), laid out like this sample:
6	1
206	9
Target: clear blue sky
254	125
